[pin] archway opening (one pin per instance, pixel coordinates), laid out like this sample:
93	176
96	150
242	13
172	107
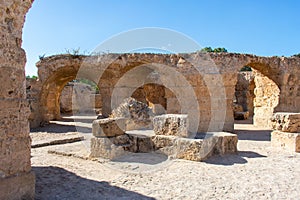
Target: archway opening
256	97
80	96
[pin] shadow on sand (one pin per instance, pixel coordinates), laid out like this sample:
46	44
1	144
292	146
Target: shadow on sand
232	159
61	128
58	183
255	135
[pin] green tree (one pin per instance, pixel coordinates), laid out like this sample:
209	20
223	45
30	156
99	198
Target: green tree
220	50
216	50
246	69
297	55
207	49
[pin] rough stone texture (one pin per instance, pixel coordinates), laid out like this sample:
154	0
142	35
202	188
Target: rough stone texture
196	149
14	126
109	127
79	97
56	71
176	147
286	122
137	113
109	148
286	141
266	100
18	187
171	124
33	89
140	143
244	93
237	108
241	115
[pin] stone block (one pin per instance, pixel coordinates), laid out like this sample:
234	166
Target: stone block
286	122
287	141
140	143
109	148
227	143
171	124
109	127
189	149
164	144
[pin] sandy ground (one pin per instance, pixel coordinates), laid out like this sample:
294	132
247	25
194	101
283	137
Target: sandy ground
256	172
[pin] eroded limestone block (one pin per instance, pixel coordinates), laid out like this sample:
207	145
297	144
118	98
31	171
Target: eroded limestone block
165	144
138	115
140	143
171	124
189	149
227	143
108	127
287	141
109	148
286	122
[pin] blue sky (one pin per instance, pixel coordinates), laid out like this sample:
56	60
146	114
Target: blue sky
258	27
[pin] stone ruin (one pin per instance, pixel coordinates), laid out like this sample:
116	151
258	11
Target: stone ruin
270	87
169	135
286	134
18	182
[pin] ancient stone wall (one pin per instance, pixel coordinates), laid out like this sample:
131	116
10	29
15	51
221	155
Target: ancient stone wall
212	86
33	90
16	179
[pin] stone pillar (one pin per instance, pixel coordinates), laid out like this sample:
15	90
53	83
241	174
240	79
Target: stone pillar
16	178
266	99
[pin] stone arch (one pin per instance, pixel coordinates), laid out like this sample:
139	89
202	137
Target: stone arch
55	72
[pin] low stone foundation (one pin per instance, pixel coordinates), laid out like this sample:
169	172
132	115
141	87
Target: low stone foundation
169	137
286	134
18	187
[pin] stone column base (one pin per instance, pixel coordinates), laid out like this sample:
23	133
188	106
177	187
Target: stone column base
18	187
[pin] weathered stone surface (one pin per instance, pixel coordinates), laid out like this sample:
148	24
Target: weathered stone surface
109	148
138	115
266	100
244	91
171	124
286	122
18	187
241	115
271	73
109	127
189	149
287	141
140	143
15	183
165	144
216	143
227	143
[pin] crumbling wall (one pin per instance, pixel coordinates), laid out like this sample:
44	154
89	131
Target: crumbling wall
210	79
16	179
244	91
265	101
